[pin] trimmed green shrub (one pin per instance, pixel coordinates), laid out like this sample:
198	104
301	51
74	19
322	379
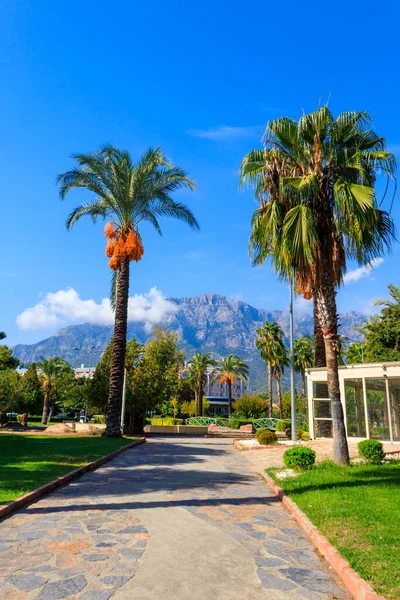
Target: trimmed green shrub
167	421
266	437
372	451
302	435
299	457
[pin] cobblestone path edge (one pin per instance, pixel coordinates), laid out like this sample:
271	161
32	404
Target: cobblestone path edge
30	497
355	584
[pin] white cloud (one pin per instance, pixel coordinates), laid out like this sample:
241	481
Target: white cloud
66	306
302	307
357	274
226	132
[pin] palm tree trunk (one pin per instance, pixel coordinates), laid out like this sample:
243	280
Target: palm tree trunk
279	391
200	398
303	384
46	405
229	399
270	388
114	406
319	345
325	298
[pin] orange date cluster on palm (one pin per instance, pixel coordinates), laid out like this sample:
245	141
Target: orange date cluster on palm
122	245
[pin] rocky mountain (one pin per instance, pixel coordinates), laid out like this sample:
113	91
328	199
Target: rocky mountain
208	323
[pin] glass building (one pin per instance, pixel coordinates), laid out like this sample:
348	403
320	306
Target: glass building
370	396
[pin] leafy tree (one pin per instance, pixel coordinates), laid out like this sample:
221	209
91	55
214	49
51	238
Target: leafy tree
270	344
250	407
315	180
198	366
10	391
382	340
2	335
227	370
394	292
100	382
7	360
355	354
155	379
52	370
303	358
32	389
189	409
130	193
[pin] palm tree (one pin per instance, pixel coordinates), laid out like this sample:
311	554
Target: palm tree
52	369
130	194
229	369
281	360
269	342
2	335
303	359
394	292
199	364
315	180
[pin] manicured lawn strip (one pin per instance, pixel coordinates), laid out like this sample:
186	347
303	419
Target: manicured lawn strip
29	461
358	510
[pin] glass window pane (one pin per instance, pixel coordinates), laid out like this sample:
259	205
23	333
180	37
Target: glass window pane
320	390
394	395
378	417
322	408
355	413
323	429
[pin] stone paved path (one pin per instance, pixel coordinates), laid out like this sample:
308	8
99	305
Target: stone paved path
181	519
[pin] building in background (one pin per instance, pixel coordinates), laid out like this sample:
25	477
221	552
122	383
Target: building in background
217	393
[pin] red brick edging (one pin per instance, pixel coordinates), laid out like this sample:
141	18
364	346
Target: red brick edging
60	481
356	585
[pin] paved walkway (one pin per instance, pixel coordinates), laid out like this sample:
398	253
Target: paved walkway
181	519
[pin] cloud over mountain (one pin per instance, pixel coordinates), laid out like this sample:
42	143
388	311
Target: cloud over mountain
66	307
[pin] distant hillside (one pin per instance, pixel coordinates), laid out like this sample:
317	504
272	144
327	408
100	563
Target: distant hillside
208	323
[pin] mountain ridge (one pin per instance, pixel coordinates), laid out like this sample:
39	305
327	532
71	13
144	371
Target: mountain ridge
207	323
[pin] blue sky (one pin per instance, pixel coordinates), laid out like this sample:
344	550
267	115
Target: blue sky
198	79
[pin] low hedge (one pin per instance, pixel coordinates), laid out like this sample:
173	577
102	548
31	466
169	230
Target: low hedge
165	421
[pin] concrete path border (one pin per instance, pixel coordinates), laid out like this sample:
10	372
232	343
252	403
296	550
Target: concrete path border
356	585
30	497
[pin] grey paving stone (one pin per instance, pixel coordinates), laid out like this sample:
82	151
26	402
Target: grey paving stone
97	594
32	535
62	589
270	562
131	553
134	529
26	582
317	581
274	583
41	569
96	557
115	580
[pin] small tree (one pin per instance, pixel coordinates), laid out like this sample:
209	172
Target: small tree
52	369
10	391
198	366
303	358
7	360
32	389
229	369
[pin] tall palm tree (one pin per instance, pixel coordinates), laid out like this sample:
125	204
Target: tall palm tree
315	180
228	369
269	342
52	369
281	360
199	364
130	194
303	359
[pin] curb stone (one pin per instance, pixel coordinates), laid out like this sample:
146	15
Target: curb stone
30	497
355	584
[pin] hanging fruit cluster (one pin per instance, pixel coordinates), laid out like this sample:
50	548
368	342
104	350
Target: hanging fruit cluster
122	245
227	379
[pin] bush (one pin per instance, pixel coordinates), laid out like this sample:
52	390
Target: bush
372	451
266	437
250	407
299	457
302	435
99	419
167	421
283	425
236	423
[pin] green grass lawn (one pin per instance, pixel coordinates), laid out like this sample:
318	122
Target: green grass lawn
29	461
358	510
